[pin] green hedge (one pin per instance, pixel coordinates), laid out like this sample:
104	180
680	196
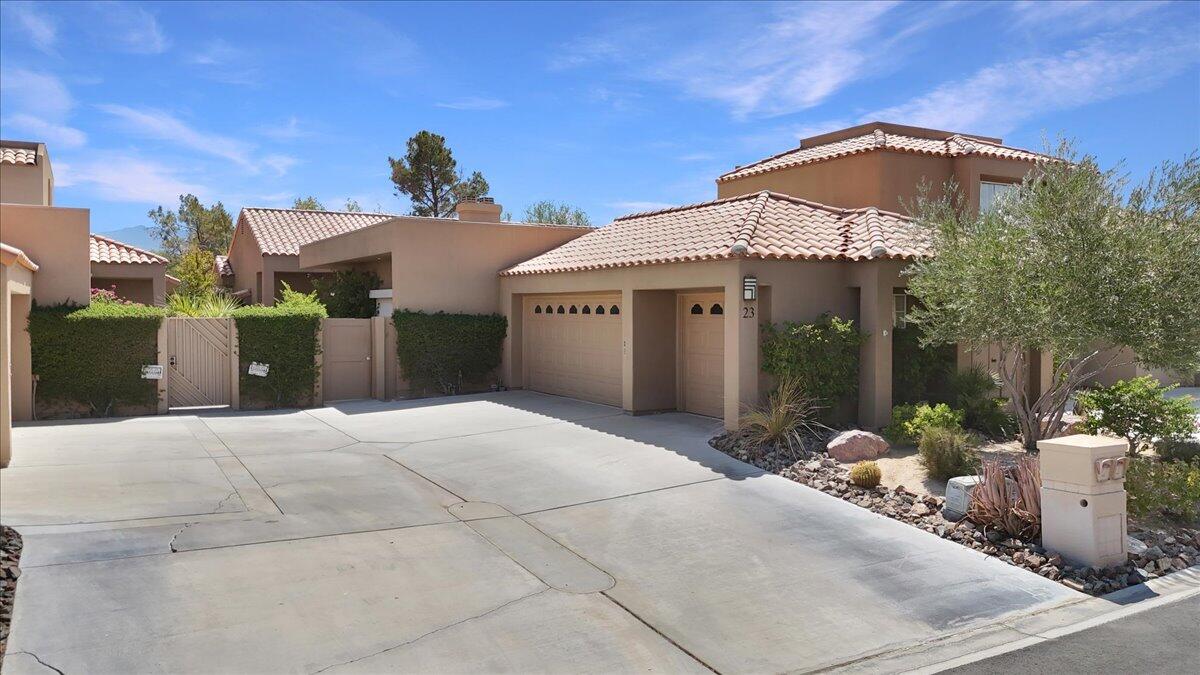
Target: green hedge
93	356
285	338
822	355
448	350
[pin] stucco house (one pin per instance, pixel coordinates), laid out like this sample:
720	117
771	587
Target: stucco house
134	274
663	310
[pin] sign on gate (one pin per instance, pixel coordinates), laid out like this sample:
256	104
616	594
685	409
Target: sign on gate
259	369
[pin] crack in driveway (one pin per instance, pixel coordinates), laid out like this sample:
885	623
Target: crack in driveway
39	660
435	630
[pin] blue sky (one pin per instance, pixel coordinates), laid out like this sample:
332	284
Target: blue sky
612	107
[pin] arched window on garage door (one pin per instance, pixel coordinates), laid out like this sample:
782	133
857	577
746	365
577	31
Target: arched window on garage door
697	309
560	309
599	309
614	310
573	310
537	309
587	309
716	309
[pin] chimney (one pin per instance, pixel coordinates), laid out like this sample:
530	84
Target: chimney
480	210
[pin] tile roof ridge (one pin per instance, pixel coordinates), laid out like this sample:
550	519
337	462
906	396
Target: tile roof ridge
741	242
836	210
339	213
875	232
743	167
687	207
128	246
879	211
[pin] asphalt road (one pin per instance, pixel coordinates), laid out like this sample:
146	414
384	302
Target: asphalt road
1161	640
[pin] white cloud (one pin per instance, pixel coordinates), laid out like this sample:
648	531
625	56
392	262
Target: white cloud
997	98
1060	16
639	206
795	59
125	178
52	134
128	28
215	53
473	103
37	106
41	30
162	126
287	131
696	157
280	164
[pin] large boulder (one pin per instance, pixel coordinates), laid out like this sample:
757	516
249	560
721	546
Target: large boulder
856	445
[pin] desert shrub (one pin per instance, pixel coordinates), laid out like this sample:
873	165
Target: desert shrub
1137	410
866	474
1157	488
910	421
783	420
919	373
94	355
1178	449
946	453
448	350
972	392
285	338
822	356
1008	498
347	293
216	304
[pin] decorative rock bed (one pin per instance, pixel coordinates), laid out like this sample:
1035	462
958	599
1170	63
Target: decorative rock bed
1157	550
10	554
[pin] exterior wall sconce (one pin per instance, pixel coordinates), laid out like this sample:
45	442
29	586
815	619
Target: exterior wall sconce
750	287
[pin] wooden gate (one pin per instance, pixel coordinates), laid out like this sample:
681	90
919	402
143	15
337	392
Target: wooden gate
199	361
346	350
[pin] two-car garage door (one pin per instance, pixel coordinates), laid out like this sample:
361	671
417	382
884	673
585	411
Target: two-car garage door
573	346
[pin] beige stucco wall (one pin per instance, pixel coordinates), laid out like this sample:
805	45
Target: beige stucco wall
16	386
143	283
25	184
246	260
442	265
57	239
884	179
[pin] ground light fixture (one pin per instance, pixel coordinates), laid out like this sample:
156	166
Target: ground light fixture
750	287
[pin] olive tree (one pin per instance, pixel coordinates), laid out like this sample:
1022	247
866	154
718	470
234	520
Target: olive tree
1070	263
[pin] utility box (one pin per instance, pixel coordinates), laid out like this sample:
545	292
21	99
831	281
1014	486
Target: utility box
958	496
1083	499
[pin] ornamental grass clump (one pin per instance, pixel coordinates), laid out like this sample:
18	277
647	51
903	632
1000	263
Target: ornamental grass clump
1008	498
866	474
945	453
783	420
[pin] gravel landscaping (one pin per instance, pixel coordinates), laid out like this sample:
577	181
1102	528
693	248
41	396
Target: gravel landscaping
1159	549
10	554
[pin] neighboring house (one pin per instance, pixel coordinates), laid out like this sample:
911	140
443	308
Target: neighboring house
25	174
44	251
265	249
663	310
134	274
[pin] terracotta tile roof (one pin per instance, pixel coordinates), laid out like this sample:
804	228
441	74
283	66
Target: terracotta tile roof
956	145
765	225
105	250
284	231
11	155
223	266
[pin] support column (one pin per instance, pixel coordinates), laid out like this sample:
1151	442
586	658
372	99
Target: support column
741	349
627	346
21	357
875	355
378	354
235	369
164	404
319	362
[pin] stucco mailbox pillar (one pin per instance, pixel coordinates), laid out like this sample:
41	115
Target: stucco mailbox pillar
1083	499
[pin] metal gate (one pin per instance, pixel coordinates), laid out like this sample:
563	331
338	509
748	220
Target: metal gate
346	351
198	365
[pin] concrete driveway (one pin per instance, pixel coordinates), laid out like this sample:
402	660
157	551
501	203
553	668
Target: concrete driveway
510	532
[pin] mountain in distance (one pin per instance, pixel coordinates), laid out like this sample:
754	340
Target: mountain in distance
140	236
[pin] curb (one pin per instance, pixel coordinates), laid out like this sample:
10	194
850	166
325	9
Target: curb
1025	630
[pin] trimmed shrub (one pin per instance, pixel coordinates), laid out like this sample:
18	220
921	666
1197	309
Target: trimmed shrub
946	453
866	474
1178	449
93	356
910	421
448	350
285	338
1137	410
1158	488
347	293
822	356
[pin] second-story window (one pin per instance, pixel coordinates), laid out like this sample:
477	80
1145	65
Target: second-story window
990	193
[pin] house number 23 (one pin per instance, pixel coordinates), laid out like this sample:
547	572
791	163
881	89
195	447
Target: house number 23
748	312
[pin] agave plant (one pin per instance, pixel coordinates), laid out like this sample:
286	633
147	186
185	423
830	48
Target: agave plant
783	420
1008	498
215	305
